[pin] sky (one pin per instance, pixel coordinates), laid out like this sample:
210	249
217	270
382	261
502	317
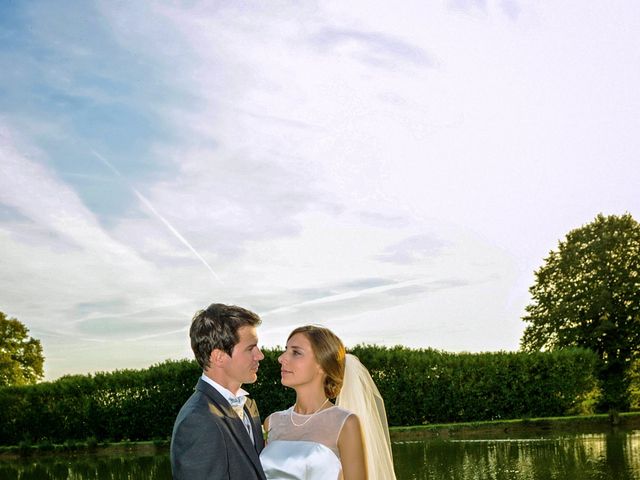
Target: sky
393	172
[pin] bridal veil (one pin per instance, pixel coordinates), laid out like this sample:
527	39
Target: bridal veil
360	395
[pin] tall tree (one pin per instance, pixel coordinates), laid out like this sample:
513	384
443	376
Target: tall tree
21	359
587	294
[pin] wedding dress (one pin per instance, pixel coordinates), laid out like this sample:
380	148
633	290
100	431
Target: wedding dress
304	447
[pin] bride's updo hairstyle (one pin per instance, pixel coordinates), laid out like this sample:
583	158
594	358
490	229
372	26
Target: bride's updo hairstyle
330	355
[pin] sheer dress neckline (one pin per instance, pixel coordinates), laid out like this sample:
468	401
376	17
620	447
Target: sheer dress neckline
291	409
323	428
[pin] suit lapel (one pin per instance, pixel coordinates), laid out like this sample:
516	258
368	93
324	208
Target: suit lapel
251	410
234	424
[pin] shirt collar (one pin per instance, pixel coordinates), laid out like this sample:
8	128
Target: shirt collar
240	394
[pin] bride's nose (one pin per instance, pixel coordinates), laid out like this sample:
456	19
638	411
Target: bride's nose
281	358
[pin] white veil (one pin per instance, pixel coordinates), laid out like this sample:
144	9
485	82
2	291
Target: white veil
360	395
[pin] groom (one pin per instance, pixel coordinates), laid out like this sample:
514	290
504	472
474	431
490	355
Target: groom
217	434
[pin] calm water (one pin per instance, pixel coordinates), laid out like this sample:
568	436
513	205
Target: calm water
583	457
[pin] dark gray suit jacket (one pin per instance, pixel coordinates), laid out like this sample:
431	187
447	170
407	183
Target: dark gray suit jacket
210	442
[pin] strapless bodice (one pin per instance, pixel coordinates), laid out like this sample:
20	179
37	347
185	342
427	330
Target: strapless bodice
299	460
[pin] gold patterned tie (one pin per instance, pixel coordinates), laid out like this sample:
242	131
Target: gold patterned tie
237	403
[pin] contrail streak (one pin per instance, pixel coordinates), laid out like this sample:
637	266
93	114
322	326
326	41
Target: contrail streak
316	301
148	204
349	295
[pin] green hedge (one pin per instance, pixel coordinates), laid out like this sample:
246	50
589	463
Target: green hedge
419	386
128	404
430	386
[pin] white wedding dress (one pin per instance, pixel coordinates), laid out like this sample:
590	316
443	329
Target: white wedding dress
306	450
310	451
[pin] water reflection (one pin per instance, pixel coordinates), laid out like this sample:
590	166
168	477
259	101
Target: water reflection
602	457
584	457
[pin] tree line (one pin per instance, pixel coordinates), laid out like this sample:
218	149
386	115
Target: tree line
418	386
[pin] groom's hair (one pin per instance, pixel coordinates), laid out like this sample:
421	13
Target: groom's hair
217	327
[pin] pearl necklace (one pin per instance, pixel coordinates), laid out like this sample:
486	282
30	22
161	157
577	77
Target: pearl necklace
310	416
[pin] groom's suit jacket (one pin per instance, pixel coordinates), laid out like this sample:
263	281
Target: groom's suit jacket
210	442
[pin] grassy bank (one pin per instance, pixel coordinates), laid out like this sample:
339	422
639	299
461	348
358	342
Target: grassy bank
82	448
520	428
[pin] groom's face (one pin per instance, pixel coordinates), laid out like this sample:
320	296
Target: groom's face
242	366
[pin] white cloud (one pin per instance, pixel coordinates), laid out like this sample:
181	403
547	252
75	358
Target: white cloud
396	173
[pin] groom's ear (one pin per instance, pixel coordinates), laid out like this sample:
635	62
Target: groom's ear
217	357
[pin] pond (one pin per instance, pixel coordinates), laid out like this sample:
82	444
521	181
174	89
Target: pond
613	456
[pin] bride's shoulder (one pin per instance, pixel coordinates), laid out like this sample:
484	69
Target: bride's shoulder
275	419
340	413
341	410
280	413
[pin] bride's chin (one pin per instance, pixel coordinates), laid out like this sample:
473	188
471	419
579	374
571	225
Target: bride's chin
285	382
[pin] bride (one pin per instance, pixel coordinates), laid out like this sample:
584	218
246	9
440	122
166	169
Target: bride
316	439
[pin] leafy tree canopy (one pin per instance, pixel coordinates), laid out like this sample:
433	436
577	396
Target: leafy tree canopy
21	359
587	294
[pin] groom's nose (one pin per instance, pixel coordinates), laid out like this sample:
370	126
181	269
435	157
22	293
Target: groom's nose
259	355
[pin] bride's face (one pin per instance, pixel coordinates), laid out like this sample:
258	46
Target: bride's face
298	363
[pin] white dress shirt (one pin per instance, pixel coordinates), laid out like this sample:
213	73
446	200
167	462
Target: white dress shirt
236	401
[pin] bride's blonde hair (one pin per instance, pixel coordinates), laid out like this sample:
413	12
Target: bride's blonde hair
330	355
